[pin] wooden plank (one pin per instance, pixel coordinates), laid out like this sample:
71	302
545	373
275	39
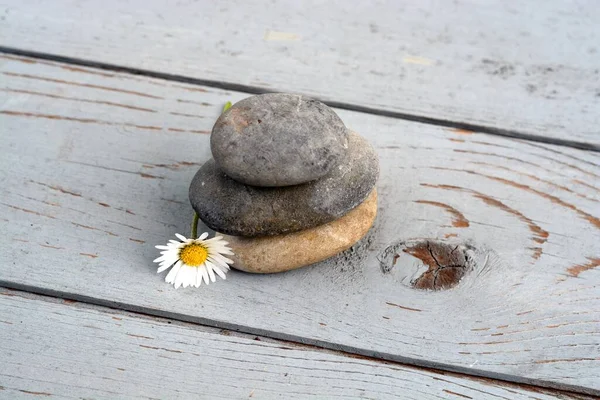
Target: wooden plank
95	169
65	350
528	68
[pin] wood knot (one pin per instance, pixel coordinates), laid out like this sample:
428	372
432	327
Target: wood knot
441	265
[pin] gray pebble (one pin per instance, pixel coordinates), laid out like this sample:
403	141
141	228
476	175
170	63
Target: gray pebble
228	206
278	139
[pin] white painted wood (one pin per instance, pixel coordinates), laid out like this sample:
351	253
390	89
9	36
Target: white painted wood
65	350
529	67
90	185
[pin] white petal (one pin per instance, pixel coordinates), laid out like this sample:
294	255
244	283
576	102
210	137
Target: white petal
221	268
177	282
203	236
220	272
198	277
172	256
190	277
222	258
204	273
181	237
165	254
209	268
219	249
167	259
216	246
164	267
181	276
171	261
216	239
218	263
170	278
185	280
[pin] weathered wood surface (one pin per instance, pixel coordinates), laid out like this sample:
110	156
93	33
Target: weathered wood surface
61	349
531	68
95	168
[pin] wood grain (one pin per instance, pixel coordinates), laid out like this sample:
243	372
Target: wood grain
70	350
529	68
88	189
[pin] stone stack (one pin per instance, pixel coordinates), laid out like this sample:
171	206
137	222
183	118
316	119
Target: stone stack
289	185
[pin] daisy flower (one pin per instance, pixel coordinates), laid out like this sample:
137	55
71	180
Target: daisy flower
194	260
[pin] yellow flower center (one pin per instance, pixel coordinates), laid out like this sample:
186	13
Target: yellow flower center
193	254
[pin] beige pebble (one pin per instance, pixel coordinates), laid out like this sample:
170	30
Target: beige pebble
268	254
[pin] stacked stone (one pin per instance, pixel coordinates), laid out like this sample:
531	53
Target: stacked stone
289	185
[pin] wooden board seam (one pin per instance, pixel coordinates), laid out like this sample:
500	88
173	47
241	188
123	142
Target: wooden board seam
332	103
284	343
317	345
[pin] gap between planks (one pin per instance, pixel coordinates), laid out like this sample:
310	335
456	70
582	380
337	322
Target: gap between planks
311	344
336	104
93	306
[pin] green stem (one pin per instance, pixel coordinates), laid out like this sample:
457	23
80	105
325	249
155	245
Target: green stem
195	221
195	226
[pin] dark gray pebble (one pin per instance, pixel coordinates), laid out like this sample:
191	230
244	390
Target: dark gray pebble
228	206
